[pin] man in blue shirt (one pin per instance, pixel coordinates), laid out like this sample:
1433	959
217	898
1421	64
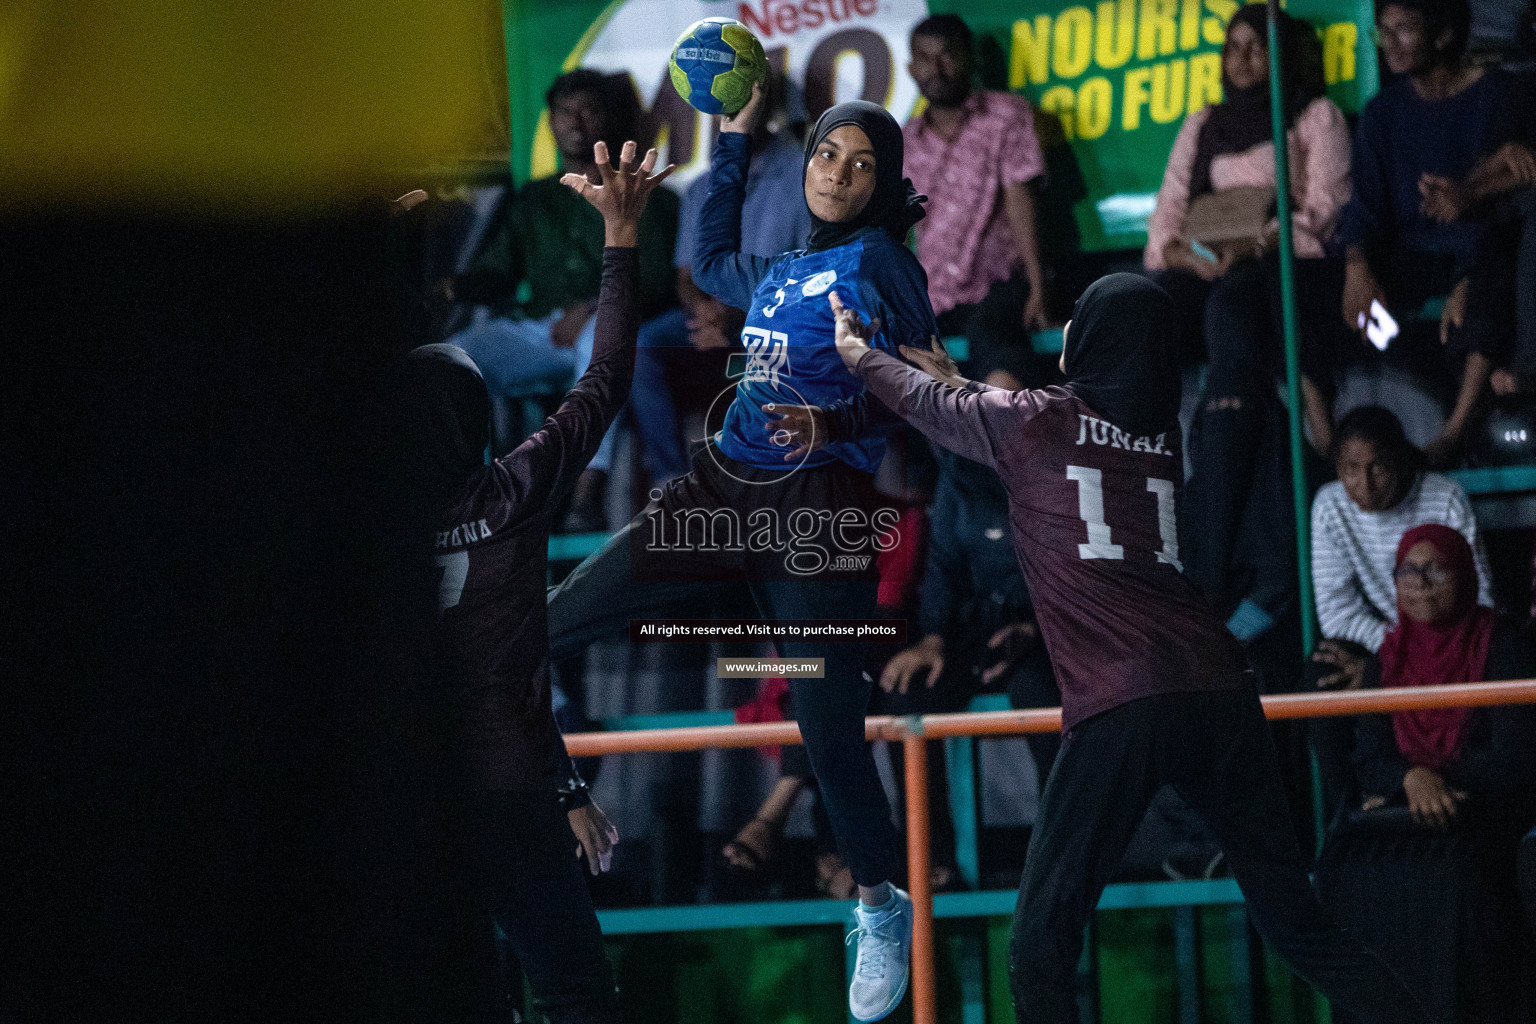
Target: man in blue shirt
1437	118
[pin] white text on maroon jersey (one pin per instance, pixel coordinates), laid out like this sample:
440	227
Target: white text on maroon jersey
1091	428
461	535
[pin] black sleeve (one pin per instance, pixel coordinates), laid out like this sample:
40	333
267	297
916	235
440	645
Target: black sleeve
570	787
1378	765
543	468
719	265
1501	746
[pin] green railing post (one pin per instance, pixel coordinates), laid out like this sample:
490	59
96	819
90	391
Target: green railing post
1293	379
1288	315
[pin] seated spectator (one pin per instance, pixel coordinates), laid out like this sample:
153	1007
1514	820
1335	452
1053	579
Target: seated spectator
1436	120
1502	282
1470	772
1357	523
774	219
978	242
1239	460
1437	759
551	241
1231	302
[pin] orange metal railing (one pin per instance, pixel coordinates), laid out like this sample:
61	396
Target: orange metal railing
914	732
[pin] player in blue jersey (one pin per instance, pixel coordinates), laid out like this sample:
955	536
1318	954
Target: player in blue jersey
783	496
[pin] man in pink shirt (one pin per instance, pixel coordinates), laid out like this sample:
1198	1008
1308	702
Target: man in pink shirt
974	153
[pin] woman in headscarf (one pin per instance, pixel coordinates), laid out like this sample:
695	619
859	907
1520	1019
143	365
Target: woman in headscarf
1239	556
1438	759
487	534
1154	690
1469	772
784	494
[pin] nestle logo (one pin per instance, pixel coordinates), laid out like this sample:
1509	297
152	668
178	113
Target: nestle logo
790	16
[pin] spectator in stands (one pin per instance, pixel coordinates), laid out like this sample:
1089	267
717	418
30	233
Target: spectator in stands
551	241
1502	282
1357	523
1467	770
1437	759
1436	120
774	219
978	243
1233	302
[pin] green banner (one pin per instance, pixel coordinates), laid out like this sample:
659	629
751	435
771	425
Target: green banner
1111	80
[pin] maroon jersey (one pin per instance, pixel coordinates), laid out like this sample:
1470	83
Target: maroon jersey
1094	514
492	550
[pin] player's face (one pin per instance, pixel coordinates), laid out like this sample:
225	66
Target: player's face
941	70
1245	58
577	122
841	175
1403	40
1368	479
1426	591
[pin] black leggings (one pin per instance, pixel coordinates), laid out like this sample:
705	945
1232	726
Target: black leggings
1215	750
530	885
631	578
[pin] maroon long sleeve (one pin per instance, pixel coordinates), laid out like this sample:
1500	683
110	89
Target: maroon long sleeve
493	551
543	468
1093	515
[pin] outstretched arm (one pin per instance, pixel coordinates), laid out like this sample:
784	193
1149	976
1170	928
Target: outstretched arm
546	465
955	417
719	265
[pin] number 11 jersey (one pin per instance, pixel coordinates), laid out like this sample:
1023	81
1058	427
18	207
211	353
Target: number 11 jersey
1094	513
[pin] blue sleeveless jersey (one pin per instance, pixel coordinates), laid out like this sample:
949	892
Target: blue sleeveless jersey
791	357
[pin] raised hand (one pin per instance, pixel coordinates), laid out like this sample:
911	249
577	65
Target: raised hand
744	121
622	195
852	333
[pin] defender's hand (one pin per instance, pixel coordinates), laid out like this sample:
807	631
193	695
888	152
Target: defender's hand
935	361
801	428
852	333
622	195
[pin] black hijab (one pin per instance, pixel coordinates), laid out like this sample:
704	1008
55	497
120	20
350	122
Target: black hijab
1118	357
447	417
1241	120
895	205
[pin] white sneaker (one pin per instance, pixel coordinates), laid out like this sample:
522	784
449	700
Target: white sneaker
881	970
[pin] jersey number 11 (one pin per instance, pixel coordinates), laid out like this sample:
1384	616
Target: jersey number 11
1090	506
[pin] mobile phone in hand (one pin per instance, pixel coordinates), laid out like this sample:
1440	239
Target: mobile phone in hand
1380	328
1203	251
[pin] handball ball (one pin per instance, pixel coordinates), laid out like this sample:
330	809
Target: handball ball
715	63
